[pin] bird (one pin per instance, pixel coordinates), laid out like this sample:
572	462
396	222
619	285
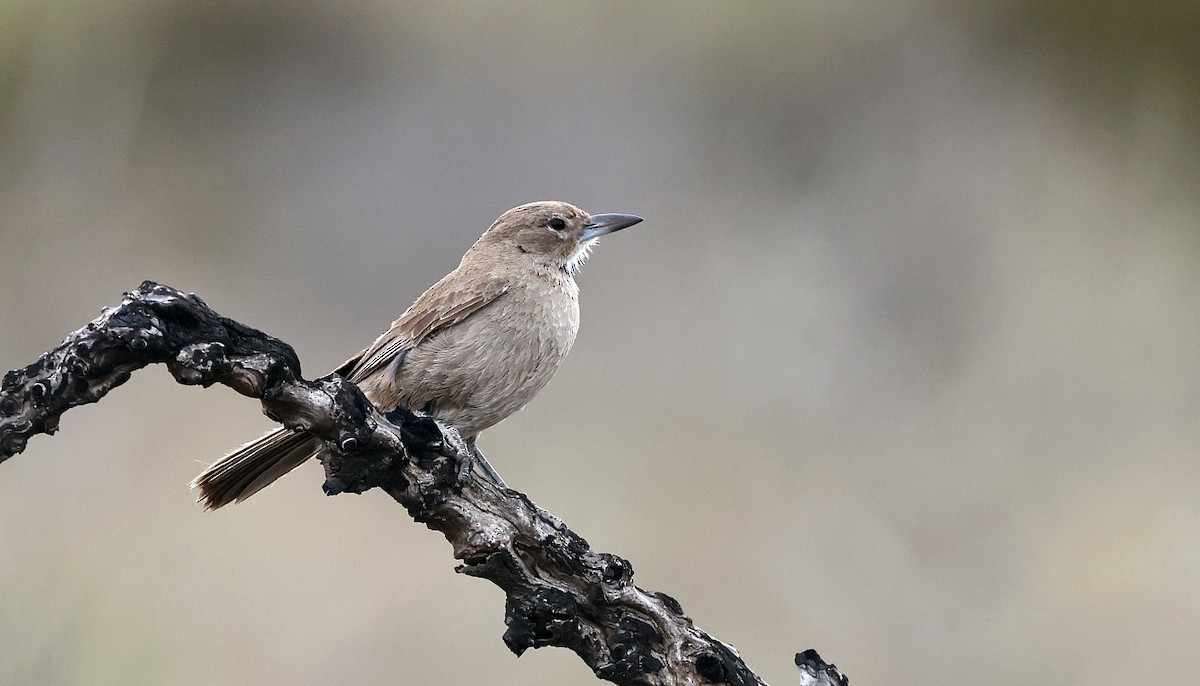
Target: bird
470	351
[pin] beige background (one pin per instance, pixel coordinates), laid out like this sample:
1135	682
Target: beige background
901	366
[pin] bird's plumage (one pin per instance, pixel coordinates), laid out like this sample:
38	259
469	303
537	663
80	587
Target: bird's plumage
457	296
473	349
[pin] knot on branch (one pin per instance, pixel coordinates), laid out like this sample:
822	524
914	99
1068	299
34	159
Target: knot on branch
817	672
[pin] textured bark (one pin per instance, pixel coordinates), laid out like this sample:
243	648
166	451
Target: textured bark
559	591
816	672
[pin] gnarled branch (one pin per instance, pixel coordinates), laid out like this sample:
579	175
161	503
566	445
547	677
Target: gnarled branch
559	591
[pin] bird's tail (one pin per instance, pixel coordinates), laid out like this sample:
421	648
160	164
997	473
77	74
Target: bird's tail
253	467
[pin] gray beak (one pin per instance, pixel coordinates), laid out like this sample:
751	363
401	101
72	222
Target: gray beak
602	224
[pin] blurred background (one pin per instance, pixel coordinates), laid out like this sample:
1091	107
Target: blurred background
901	366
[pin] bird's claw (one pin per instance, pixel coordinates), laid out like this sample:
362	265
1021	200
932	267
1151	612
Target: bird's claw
463	460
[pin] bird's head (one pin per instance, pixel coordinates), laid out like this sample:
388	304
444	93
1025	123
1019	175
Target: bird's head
555	233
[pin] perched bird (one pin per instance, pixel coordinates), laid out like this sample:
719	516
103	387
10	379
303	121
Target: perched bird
472	350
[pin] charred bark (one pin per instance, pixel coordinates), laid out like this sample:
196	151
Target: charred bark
559	591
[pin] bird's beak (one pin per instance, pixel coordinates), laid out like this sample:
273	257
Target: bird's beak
601	224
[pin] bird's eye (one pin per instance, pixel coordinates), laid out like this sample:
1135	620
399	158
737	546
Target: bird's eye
558	224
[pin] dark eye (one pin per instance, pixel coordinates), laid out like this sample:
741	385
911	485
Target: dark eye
558	224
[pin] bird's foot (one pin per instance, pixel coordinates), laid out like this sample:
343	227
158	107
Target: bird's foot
464	458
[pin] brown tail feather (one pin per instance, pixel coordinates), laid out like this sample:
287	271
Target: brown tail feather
253	467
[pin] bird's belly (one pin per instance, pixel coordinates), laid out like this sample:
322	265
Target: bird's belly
482	370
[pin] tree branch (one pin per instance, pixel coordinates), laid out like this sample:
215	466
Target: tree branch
559	591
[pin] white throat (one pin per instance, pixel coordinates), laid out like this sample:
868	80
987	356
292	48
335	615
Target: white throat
577	258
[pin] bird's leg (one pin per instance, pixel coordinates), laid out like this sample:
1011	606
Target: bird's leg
487	469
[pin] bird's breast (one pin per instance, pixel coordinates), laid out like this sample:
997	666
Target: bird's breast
483	369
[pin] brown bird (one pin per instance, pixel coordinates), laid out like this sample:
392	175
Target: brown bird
472	350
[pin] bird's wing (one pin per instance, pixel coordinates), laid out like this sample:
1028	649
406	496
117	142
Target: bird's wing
446	303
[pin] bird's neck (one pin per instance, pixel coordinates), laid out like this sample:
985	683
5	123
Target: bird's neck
516	263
